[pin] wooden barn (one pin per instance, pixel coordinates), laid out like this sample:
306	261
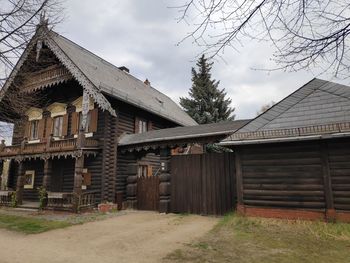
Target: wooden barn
67	141
293	161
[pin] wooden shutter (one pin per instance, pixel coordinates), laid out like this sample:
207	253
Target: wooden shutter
65	125
41	128
149	125
87	179
93	120
49	123
149	170
137	123
26	133
74	124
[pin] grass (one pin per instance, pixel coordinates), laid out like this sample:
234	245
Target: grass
42	221
29	225
241	239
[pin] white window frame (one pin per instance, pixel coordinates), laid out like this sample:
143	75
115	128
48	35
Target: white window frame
32	174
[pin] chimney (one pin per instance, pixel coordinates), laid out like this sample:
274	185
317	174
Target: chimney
147	82
125	69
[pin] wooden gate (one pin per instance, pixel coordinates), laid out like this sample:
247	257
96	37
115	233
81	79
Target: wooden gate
148	193
203	184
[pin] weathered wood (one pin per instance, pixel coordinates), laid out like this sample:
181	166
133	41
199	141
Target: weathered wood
239	176
203	184
326	177
47	174
148	193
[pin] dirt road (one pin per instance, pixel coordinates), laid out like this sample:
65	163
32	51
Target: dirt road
133	237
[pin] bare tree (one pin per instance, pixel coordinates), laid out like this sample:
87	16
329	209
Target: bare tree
18	22
304	33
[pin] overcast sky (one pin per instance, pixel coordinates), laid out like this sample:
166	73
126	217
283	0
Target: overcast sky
143	35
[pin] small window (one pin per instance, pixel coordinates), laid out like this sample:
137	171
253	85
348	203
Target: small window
142	126
88	121
58	126
144	171
29	180
34	130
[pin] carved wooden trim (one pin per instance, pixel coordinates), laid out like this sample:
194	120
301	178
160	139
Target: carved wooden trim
92	90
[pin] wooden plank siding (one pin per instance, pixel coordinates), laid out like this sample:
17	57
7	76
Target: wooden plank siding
308	175
203	184
283	175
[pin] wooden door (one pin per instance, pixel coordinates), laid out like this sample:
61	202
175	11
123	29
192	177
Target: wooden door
148	193
57	176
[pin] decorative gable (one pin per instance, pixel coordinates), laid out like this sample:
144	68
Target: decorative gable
57	109
34	114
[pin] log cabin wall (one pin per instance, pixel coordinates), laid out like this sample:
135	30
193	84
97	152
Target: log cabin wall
126	124
33	165
310	176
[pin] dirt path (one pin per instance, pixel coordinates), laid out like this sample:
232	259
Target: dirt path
134	237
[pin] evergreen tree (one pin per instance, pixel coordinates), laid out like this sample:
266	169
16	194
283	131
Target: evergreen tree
206	103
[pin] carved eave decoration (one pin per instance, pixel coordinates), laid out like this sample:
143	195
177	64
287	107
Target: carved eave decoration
90	88
46	156
43	35
172	144
48	77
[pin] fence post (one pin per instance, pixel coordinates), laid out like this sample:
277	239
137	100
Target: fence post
131	188
327	184
164	181
239	180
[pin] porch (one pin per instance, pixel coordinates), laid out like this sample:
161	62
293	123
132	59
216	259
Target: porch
59	168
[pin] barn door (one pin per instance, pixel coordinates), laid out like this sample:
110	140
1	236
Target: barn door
148	193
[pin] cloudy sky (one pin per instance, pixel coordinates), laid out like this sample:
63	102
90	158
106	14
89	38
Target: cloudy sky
143	35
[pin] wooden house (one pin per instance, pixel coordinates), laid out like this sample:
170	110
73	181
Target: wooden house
293	161
67	141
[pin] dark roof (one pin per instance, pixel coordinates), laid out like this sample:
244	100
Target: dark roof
181	133
312	109
120	84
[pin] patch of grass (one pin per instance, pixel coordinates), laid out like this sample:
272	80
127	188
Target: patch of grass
241	239
29	225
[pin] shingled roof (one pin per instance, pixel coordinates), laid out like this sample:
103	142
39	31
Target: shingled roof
318	107
189	133
115	82
99	77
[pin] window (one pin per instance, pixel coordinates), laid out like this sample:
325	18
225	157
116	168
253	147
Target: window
58	126
34	130
29	179
142	126
88	120
144	171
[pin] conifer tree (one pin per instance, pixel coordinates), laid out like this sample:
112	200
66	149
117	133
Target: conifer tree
206	102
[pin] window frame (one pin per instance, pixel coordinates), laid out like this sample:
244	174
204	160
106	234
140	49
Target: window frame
31	174
88	121
143	170
34	130
61	118
142	125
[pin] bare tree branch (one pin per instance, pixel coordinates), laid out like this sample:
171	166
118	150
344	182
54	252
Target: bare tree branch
305	33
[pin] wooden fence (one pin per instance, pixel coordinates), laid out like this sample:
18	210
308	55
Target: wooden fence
203	184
